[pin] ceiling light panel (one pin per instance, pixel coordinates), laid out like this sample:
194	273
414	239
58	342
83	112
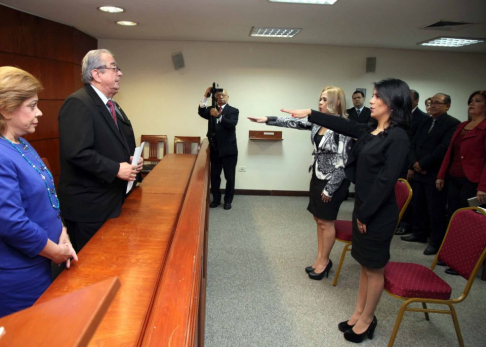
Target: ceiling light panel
274	32
127	23
111	9
450	42
309	2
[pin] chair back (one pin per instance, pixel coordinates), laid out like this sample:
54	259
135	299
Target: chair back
465	241
154	141
184	144
403	195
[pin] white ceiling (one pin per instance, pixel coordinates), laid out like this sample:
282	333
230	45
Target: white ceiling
362	23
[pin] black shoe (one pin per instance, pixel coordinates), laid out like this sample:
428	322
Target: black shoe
214	204
430	250
441	263
344	326
309	269
320	276
451	272
413	238
227	206
350	335
402	231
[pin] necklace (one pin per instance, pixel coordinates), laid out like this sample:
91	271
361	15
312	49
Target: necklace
43	168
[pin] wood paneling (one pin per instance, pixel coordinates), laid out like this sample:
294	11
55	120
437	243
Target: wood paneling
52	52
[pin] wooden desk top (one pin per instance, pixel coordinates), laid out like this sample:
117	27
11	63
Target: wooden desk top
132	247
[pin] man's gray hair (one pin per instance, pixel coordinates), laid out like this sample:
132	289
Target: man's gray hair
91	61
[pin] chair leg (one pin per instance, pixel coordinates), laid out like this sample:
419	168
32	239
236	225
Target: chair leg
397	325
456	325
341	261
424	305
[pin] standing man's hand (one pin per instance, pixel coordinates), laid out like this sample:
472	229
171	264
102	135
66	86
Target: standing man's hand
127	172
410	175
207	93
215	113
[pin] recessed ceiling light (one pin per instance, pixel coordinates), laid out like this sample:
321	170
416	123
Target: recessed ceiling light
450	42
274	32
310	2
111	9
127	23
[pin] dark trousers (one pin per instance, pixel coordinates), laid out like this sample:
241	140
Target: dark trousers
81	233
226	164
459	189
429	204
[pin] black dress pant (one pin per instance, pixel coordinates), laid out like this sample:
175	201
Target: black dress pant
429	204
226	164
81	233
459	189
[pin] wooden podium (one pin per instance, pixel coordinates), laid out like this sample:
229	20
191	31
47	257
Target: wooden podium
69	320
157	248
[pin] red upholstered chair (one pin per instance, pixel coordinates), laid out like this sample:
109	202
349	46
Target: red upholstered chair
463	249
344	228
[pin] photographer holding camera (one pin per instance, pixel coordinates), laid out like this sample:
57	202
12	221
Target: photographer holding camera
222	120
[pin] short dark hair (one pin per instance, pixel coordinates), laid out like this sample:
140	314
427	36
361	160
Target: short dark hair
360	92
416	95
447	98
477	92
395	94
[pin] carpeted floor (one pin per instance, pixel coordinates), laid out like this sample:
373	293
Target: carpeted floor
259	295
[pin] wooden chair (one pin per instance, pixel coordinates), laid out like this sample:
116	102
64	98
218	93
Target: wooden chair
153	158
463	249
186	143
344	228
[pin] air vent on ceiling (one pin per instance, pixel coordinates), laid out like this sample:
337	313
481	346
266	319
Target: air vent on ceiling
447	25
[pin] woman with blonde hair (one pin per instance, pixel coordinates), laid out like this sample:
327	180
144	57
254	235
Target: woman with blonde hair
31	232
328	186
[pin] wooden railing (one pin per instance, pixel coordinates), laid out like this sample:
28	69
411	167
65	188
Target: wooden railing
157	248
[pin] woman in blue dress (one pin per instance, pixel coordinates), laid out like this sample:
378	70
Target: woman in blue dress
31	231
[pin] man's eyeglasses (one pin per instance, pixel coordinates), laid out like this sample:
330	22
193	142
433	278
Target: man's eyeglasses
115	69
434	102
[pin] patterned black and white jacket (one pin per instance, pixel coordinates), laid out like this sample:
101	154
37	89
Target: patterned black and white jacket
330	155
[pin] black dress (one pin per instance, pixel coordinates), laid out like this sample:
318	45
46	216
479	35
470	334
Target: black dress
318	208
374	165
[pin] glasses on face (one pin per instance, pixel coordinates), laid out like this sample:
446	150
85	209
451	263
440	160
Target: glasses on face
114	69
435	102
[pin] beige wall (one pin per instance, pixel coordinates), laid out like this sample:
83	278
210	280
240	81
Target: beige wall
262	78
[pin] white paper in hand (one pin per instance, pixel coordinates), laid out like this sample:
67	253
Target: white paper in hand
136	158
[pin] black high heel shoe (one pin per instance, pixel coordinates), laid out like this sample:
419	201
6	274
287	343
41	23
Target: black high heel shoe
309	269
344	326
320	276
350	335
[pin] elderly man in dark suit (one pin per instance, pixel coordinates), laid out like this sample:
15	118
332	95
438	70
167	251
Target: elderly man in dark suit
428	149
94	150
222	121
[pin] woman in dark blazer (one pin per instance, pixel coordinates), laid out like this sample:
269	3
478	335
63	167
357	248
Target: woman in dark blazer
374	164
464	165
328	186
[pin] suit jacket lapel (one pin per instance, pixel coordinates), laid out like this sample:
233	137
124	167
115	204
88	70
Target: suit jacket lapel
105	114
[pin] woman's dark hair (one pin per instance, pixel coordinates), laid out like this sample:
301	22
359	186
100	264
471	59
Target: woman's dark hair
396	94
477	92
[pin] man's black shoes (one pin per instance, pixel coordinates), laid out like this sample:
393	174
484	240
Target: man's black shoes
227	206
214	204
413	238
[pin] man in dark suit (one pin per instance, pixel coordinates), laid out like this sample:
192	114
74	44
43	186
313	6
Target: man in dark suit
94	150
222	121
417	117
428	149
359	112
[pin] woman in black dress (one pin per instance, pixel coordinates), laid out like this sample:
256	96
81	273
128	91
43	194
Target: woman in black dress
374	164
328	186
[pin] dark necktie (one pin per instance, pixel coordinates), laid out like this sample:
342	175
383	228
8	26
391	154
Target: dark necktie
358	112
112	111
433	122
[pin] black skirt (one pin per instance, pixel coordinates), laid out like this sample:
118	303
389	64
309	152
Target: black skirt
325	210
373	248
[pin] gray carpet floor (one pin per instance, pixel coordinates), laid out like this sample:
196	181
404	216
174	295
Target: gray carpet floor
259	295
